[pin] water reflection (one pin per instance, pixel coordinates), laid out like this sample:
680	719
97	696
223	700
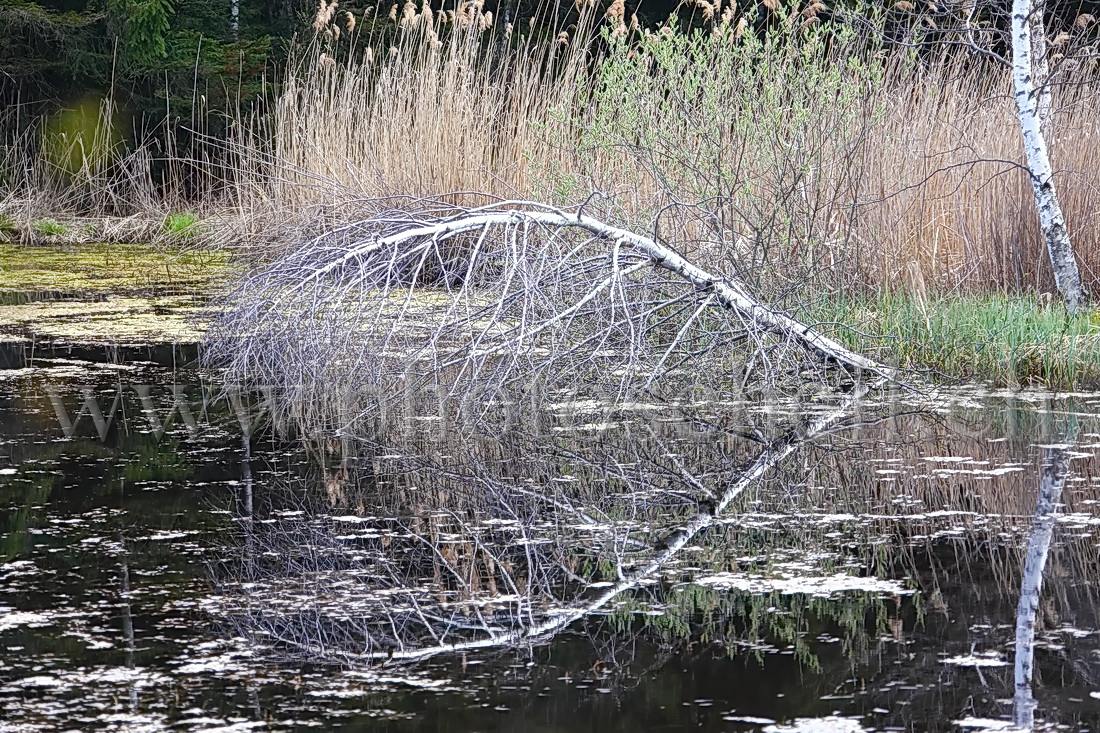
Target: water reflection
896	529
1056	460
586	576
158	409
504	551
127	619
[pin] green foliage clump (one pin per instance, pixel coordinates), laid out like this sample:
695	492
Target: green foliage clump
182	225
761	133
157	60
83	140
143	26
49	227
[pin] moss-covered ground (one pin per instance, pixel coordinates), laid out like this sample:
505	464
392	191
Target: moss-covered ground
106	293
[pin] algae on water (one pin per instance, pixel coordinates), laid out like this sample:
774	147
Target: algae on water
170	319
103	268
106	293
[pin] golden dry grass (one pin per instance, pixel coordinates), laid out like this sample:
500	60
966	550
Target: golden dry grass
917	185
421	117
955	207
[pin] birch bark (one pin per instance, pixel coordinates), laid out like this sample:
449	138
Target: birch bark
1031	587
1029	66
1040	69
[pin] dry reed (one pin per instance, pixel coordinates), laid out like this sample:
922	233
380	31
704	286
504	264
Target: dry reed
421	117
915	184
951	204
745	159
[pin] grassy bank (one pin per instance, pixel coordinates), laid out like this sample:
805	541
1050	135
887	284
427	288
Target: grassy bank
1009	341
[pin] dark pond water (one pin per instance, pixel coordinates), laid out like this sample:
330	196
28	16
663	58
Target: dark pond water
170	562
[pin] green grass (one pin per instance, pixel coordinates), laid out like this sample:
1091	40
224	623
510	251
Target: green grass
49	227
1009	341
183	225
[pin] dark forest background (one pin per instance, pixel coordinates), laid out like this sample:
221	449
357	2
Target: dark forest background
176	60
168	57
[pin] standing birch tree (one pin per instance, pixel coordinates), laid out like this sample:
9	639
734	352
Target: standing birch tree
1030	82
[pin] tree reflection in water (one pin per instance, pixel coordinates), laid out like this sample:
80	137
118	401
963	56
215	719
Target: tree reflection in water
684	529
1055	469
504	543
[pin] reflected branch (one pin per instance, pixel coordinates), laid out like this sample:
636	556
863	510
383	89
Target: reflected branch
495	583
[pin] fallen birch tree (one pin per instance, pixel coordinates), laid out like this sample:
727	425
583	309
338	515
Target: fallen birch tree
502	298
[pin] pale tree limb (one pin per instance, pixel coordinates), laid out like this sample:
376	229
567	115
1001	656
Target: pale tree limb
726	292
497	303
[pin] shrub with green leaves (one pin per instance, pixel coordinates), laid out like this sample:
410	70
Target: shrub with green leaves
755	141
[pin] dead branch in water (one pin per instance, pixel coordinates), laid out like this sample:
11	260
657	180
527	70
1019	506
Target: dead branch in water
502	297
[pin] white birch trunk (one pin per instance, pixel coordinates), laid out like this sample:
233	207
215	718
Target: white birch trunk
1040	69
235	12
1032	105
1031	587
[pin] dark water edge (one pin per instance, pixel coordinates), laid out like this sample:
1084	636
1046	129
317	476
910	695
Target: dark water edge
124	488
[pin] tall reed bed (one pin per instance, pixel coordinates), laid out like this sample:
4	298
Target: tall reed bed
800	154
429	103
951	206
72	160
808	153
